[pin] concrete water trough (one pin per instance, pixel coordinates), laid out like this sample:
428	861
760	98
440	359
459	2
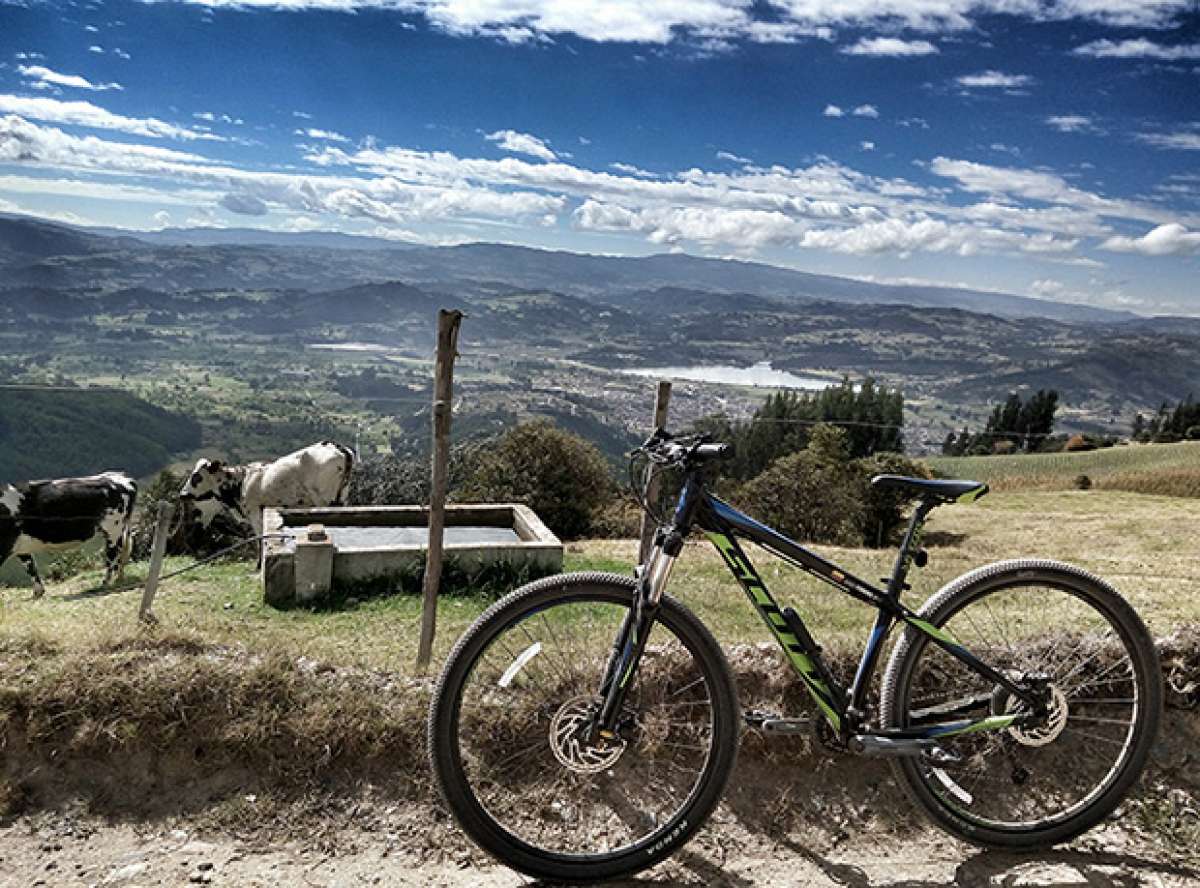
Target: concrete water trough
341	546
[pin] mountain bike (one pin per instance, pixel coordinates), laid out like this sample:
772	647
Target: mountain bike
585	726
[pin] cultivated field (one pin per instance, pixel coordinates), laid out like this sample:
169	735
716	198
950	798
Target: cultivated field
1167	469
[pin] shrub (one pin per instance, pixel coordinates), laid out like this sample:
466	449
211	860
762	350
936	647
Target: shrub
1078	443
619	519
1193	433
819	495
883	510
559	475
1082	482
806	499
163	489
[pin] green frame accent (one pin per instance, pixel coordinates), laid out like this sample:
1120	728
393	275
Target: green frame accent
769	610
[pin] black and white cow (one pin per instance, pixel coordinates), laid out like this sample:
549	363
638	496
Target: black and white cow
315	476
41	516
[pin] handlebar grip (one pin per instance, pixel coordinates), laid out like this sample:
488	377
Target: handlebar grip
714	451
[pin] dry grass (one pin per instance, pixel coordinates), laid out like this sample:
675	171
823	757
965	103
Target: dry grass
225	695
1144	545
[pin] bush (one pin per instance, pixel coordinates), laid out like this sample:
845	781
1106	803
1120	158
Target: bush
559	475
1078	443
620	519
1082	482
806	499
818	495
883	510
163	489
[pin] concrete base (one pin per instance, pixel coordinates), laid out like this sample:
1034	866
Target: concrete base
290	568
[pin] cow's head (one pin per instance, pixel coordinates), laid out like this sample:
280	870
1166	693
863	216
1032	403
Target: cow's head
210	489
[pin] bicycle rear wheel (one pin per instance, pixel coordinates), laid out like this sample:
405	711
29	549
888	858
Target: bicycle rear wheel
508	732
1042	624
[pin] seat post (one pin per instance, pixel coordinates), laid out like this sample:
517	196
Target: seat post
909	546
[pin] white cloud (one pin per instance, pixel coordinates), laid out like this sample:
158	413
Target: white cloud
1139	48
1181	141
96	49
993	80
162	219
42	74
303	115
323	135
739	209
521	143
121	54
382	198
1070	123
664	21
631	170
1165	240
104	190
890	46
244	204
833	111
865	111
89	115
866	146
732	158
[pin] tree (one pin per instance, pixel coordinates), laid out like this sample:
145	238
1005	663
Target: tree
871	416
560	476
1013	424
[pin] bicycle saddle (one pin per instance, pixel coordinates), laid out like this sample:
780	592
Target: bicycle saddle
941	491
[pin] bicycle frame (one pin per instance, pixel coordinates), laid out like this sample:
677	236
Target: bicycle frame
844	708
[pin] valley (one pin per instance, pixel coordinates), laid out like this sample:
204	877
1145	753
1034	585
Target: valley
271	345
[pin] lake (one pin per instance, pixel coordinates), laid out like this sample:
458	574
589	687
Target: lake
761	374
352	346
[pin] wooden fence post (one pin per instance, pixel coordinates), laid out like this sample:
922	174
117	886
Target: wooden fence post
661	399
162	530
443	386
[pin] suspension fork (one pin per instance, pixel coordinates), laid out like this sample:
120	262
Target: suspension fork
635	629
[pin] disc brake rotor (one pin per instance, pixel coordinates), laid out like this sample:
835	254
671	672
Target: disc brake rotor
1047	732
568	732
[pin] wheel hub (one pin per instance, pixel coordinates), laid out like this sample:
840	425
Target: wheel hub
569	739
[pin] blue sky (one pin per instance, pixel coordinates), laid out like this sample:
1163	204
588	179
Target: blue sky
1044	147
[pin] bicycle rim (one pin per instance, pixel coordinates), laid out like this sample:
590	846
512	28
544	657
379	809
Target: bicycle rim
520	732
1037	777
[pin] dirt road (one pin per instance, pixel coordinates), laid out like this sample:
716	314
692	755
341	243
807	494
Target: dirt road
56	850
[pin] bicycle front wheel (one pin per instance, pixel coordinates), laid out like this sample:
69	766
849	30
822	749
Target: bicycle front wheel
1045	626
509	744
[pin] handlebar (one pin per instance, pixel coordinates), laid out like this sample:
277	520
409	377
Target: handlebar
685	451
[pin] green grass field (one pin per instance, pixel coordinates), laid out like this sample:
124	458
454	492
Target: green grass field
1168	469
1145	545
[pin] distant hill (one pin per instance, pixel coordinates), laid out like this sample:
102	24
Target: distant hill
37	253
257	237
60	433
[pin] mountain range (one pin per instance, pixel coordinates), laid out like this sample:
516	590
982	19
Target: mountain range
47	254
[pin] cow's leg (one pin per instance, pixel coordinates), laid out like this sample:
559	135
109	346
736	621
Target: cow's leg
126	547
112	555
31	568
256	526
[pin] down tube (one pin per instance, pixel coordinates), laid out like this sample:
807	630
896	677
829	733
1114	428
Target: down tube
754	587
